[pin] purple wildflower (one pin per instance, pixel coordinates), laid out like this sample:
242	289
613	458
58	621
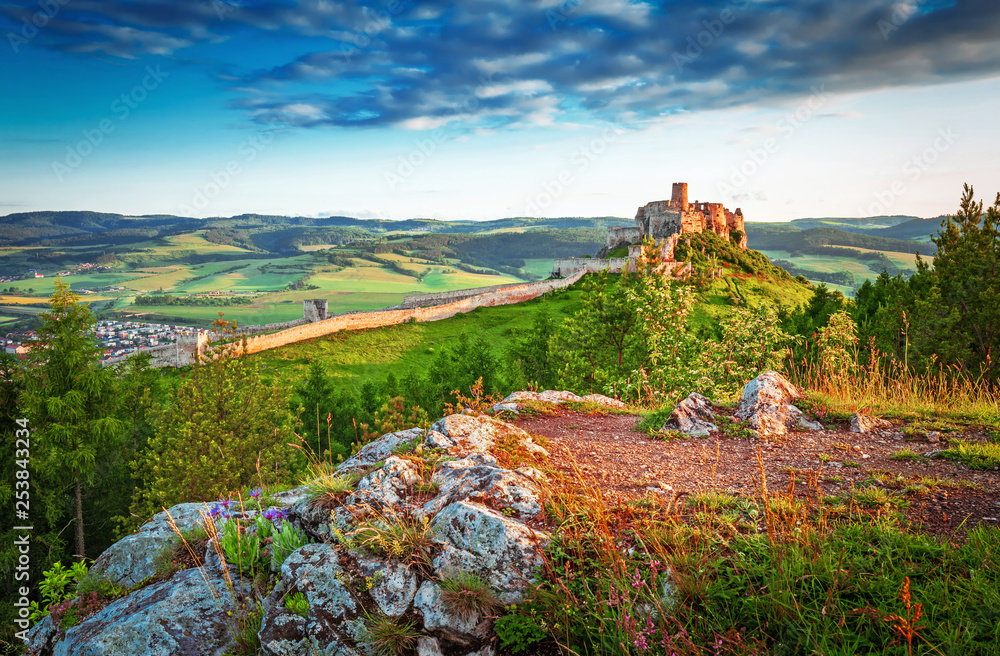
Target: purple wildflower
255	493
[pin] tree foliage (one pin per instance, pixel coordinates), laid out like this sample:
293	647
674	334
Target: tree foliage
225	428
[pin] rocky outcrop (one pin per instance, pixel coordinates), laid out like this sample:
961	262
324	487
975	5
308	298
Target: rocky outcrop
426	505
692	416
514	402
766	405
191	613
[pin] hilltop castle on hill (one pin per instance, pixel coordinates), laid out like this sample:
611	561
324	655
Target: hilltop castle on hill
664	221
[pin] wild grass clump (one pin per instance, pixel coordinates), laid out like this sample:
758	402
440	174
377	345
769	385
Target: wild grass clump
389	636
397	535
652	422
875	497
975	455
329	488
841	379
907	455
468	595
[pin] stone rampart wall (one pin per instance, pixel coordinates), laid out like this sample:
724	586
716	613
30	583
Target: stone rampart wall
569	266
507	295
437	298
183	352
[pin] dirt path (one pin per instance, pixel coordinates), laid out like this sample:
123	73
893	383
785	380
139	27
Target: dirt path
943	497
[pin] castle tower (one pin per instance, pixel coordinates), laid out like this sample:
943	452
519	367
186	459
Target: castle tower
314	309
679	196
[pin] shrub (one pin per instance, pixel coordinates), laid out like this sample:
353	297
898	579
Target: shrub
58	586
518	632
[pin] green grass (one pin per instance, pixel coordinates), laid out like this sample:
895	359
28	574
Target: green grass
354	356
975	455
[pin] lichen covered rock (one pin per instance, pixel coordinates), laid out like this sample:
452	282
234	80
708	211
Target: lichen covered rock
325	593
185	615
692	416
134	557
502	550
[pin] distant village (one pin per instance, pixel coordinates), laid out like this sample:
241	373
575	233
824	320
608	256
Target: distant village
115	337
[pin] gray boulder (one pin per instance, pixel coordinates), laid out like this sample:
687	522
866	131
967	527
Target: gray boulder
183	616
314	570
134	557
478	539
766	404
692	416
478	478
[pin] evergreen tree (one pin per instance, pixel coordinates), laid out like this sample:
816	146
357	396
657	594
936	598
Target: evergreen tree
225	429
966	272
72	403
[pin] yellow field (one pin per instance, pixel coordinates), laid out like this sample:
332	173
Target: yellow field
902	260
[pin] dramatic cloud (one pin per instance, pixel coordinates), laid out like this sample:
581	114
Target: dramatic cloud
486	64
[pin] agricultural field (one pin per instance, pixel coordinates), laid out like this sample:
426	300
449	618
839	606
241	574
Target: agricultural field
540	266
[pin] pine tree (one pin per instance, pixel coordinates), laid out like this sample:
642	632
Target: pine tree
227	428
966	276
72	403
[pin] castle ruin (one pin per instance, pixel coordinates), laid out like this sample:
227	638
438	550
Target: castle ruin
664	221
667	220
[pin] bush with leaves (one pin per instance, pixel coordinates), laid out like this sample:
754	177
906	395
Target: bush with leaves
750	343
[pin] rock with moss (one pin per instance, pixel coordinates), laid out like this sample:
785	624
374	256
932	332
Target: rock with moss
138	556
315	571
504	551
463	512
480	479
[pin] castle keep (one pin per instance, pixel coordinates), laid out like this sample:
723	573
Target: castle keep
663	221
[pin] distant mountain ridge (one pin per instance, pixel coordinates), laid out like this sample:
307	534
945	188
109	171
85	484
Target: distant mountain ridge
37	228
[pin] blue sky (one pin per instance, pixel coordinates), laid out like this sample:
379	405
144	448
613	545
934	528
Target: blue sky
485	109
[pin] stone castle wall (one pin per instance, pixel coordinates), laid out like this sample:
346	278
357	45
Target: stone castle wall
569	266
437	298
184	351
